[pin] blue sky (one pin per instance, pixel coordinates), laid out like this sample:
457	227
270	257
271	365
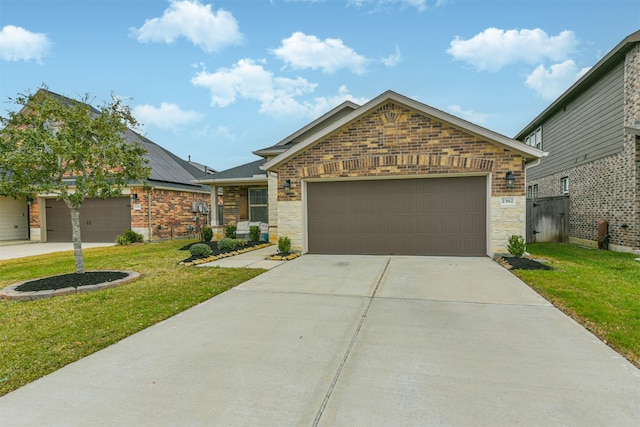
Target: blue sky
218	80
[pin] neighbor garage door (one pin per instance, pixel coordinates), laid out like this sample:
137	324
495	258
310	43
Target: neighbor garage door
100	220
435	216
14	221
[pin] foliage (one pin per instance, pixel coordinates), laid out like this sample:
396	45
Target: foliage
284	245
39	337
129	237
200	250
597	288
207	234
65	147
254	233
516	246
240	243
227	244
230	231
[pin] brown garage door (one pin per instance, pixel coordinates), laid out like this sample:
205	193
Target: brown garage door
437	216
100	220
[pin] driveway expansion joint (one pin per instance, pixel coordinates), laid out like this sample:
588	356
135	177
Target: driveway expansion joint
378	281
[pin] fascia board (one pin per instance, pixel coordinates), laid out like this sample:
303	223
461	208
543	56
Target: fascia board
483	133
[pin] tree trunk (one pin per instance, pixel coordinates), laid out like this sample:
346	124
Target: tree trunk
77	243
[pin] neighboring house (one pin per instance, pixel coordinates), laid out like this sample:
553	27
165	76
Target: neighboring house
393	176
592	135
162	207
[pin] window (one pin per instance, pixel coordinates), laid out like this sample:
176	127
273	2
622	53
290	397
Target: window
529	191
535	139
258	205
535	190
565	185
532	191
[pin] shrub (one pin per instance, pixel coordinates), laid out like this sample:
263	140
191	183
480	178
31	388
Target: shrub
230	231
226	244
516	246
207	234
128	237
240	243
200	250
254	233
284	245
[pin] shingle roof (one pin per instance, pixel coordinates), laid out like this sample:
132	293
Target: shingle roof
248	170
166	167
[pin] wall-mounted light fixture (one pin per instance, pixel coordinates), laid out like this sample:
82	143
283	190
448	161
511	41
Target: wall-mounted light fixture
511	179
30	200
134	197
287	187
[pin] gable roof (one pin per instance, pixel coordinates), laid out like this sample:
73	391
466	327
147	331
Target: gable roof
612	58
315	126
526	151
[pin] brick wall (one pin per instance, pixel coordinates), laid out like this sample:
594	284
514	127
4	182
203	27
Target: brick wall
395	141
171	213
608	188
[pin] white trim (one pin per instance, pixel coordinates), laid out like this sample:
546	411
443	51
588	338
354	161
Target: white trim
496	138
488	198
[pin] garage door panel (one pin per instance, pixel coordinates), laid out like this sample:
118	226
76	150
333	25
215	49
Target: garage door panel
100	220
440	216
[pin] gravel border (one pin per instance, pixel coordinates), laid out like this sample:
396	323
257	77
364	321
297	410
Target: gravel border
10	291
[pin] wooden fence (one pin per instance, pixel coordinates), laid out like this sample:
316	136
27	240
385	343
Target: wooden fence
548	219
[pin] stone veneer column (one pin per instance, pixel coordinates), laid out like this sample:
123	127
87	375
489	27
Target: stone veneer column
272	185
290	222
505	222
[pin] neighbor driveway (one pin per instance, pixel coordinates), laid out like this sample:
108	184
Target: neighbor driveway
349	341
21	248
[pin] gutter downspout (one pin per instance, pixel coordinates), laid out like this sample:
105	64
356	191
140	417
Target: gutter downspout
149	207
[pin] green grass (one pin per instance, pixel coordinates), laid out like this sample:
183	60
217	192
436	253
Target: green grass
600	289
38	337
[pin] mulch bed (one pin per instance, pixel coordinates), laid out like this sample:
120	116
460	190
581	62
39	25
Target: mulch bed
72	280
214	249
514	263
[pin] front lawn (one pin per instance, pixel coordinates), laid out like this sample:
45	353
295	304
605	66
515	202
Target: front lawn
39	337
600	289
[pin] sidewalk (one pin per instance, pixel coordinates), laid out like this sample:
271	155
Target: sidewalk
251	259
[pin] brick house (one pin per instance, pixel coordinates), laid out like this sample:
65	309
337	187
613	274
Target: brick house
393	176
592	135
162	207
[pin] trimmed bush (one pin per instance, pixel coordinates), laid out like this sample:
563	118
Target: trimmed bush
254	233
240	243
284	245
207	234
200	250
128	237
516	246
230	231
227	244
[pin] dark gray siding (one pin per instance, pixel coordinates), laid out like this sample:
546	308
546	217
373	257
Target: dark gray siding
590	127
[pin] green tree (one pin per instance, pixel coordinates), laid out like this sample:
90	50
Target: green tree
56	145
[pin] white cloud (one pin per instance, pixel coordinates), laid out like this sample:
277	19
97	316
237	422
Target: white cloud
194	21
301	51
278	96
472	116
18	44
552	82
393	59
494	48
168	116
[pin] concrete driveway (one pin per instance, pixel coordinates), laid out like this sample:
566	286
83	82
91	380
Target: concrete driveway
19	249
349	341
